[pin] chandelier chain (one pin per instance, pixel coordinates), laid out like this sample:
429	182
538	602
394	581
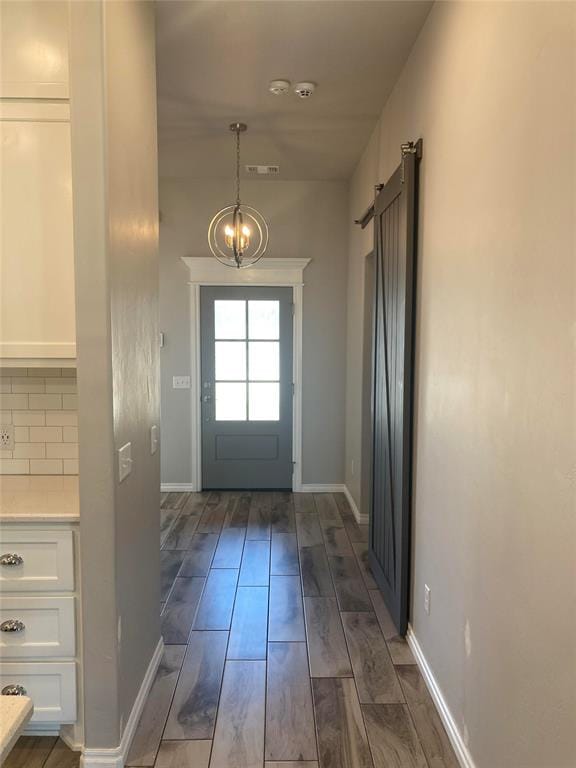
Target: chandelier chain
237	167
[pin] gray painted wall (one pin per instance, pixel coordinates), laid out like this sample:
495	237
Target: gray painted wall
490	89
113	103
306	219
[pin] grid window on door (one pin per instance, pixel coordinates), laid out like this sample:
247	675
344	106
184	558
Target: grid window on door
247	360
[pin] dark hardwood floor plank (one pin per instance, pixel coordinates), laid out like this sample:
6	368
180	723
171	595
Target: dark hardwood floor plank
215	609
433	737
148	733
167	519
393	739
193	711
259	516
229	550
179	611
304	503
175	500
284	555
308	530
361	552
374	673
62	757
170	564
184	754
336	539
239	736
30	752
350	590
255	568
290	764
282	513
237	517
199	556
286	616
342	741
290	733
327	648
316	577
181	533
397	645
327	508
195	503
217	507
249	632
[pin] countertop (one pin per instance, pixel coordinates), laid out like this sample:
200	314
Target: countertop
15	711
39	499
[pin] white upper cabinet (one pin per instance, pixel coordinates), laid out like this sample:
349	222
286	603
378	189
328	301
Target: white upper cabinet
34	49
37	302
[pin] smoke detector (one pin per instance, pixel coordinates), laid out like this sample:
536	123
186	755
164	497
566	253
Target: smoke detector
279	87
304	90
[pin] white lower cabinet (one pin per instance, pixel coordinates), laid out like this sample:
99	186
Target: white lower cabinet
38	620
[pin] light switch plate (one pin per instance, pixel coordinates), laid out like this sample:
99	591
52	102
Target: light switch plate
124	461
153	439
180	382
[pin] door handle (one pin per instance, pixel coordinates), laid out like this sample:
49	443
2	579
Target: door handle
11	559
12	625
13	690
206	398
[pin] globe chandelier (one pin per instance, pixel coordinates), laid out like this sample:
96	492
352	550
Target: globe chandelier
238	234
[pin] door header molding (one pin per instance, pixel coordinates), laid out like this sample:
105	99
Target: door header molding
206	270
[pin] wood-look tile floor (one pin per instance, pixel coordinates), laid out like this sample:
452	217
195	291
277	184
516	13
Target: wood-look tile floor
279	648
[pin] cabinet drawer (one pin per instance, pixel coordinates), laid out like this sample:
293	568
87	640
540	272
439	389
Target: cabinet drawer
47	560
44	627
50	685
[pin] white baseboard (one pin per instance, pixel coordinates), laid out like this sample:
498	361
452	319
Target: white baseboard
320	488
462	753
177	487
360	518
116	757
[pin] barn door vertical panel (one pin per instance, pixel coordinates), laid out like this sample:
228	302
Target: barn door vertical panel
392	384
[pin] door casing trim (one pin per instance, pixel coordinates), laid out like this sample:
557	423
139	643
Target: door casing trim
267	272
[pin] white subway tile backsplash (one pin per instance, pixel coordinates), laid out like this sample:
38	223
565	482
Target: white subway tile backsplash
14	467
46	402
61	450
13	402
29	418
61	419
29	451
61	386
46	467
45	434
70	434
70	466
26	385
69	402
41	404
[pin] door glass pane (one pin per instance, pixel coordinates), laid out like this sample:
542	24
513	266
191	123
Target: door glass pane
264	402
264	360
230	401
264	319
230	360
229	319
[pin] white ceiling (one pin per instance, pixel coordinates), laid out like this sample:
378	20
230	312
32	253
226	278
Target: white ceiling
216	57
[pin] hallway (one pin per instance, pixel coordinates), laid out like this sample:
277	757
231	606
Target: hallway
278	646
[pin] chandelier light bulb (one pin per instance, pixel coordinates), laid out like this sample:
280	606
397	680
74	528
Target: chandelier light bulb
238	234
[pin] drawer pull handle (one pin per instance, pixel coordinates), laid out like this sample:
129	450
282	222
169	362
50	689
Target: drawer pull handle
11	559
13	690
12	625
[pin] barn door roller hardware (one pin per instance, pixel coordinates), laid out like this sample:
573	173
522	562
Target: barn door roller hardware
408	148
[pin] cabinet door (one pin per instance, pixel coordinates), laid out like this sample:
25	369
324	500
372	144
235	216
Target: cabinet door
37	314
34	49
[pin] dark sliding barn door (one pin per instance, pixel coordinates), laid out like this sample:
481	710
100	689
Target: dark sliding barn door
395	250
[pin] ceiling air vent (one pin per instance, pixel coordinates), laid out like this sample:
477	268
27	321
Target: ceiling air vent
263	170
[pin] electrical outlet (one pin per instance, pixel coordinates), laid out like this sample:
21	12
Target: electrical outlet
124	461
180	382
7	437
153	439
427	598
